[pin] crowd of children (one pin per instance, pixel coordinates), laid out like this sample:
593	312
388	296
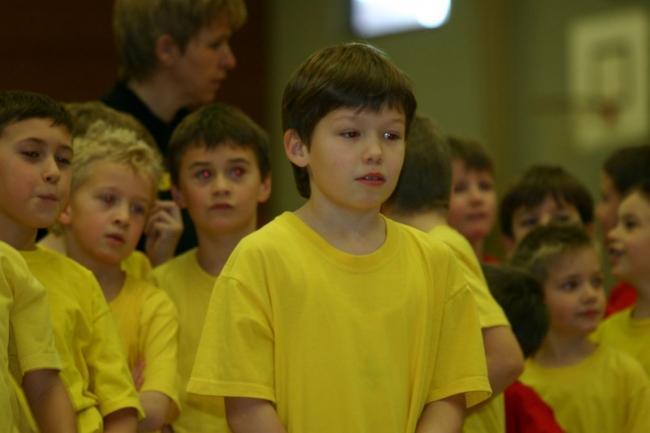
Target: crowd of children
374	307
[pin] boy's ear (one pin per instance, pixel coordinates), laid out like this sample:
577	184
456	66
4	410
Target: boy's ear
65	217
265	190
177	195
166	49
295	148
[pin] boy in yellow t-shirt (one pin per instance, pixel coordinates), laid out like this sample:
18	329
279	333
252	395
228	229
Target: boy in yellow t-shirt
113	188
26	331
34	185
220	173
421	200
629	246
333	318
590	387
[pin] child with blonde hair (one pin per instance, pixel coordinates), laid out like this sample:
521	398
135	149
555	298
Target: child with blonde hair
114	180
590	387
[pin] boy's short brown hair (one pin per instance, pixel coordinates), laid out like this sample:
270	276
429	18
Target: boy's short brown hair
472	153
540	249
351	75
627	167
17	105
137	24
218	125
425	181
535	185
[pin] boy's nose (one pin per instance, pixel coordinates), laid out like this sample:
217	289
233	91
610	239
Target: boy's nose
122	215
51	172
220	185
374	150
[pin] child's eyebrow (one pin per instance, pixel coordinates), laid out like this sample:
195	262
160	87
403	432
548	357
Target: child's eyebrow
239	161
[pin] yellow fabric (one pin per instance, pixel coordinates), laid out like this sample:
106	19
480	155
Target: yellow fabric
489	418
607	392
137	265
341	343
26	335
630	335
190	287
147	323
94	366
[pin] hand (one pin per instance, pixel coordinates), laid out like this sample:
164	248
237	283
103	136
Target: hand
163	230
138	374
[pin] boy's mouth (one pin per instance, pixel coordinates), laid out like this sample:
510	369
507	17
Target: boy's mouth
372	179
221	206
115	237
48	197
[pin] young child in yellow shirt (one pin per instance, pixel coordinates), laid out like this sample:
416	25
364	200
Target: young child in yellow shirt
220	173
421	199
590	387
34	185
333	318
28	351
113	188
629	248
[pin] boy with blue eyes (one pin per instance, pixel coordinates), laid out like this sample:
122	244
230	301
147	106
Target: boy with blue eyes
544	194
113	187
36	153
220	173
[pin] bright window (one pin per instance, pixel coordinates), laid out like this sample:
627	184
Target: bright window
380	17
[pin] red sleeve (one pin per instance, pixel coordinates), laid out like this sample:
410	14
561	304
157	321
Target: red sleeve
526	412
623	295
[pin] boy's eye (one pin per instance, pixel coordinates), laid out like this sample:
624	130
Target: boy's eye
350	134
569	285
562	218
203	174
63	161
138	209
485	185
31	154
107	199
597	281
460	187
236	172
390	135
529	222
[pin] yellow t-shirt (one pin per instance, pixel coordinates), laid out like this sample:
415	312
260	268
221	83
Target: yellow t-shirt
147	323
190	287
489	418
629	335
340	342
137	265
607	392
94	366
26	335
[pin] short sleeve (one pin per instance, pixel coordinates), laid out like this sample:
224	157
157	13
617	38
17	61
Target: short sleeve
460	365
110	378
159	344
235	355
31	326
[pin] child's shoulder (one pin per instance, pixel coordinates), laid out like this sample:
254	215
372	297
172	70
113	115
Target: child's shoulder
149	296
179	264
54	263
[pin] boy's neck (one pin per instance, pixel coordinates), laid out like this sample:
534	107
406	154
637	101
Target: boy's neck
641	309
158	96
19	237
53	242
213	251
356	233
478	248
559	350
425	221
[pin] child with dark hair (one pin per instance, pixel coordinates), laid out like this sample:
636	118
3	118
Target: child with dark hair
522	299
591	387
629	249
420	200
473	201
334	318
544	194
623	170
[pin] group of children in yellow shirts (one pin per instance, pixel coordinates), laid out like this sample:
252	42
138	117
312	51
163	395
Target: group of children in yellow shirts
331	318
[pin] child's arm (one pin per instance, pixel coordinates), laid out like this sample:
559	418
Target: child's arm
252	415
443	416
163	230
155	405
49	401
505	362
121	421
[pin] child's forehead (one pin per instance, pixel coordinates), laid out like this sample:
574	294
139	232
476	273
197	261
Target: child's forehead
220	152
42	130
572	260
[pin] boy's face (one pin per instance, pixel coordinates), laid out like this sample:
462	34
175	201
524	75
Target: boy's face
550	211
629	241
574	293
473	201
199	70
35	161
607	208
354	159
107	213
221	188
